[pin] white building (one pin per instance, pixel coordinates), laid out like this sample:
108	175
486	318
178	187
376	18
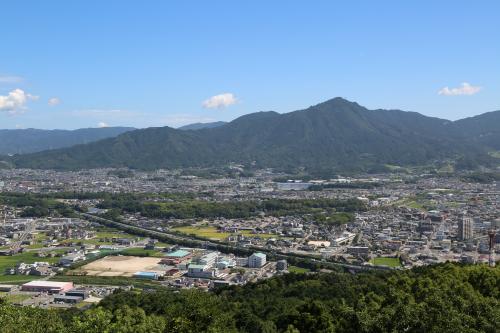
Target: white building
466	228
257	260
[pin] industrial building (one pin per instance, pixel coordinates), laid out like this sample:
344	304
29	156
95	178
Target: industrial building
201	271
175	257
51	287
147	275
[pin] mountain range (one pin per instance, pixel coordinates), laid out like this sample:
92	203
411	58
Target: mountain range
197	126
336	134
23	141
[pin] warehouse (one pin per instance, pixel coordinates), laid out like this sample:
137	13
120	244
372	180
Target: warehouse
146	275
51	287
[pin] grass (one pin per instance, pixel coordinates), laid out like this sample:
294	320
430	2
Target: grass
408	202
205	232
26	257
385	261
213	233
102	235
296	269
17	279
14	298
141	252
415	202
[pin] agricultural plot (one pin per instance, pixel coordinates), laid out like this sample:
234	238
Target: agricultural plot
384	261
26	257
213	233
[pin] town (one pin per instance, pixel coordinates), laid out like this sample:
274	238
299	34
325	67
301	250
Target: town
71	238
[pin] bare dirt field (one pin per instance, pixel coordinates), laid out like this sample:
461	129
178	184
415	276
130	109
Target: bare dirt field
121	266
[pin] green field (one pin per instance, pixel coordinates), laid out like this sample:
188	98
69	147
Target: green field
415	202
384	261
101	236
17	279
14	298
142	253
26	257
296	269
212	233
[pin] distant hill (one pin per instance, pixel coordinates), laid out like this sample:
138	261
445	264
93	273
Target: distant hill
334	135
22	141
197	126
483	129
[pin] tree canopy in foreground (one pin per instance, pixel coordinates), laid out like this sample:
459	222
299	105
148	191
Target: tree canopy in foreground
442	298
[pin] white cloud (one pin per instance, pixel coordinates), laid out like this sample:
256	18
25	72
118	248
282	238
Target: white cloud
54	101
15	101
220	101
10	79
464	89
102	124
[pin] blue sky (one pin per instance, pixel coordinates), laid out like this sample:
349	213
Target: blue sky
155	63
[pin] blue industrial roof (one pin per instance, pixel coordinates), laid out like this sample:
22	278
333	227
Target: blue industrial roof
178	253
146	274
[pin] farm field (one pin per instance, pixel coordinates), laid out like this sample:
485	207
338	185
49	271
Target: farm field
384	261
142	253
100	238
17	279
213	233
295	269
26	257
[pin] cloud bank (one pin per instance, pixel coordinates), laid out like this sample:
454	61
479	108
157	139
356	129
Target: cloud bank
464	89
220	101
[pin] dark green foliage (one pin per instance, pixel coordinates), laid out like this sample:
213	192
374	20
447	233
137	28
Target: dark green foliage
236	209
333	219
482	177
198	126
442	298
37	205
336	135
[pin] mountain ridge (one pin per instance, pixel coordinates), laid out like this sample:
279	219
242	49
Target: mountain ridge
30	140
335	134
198	126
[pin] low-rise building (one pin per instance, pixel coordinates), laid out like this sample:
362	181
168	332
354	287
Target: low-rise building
51	287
